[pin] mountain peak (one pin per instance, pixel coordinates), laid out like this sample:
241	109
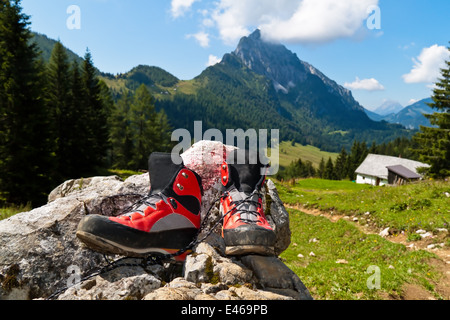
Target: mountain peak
389	107
283	67
274	61
256	35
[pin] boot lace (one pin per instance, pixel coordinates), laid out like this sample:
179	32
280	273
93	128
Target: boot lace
142	204
238	204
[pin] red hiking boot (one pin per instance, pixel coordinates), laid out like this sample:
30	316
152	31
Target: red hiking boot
164	222
245	228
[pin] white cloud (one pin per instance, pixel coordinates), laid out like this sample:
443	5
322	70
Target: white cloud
300	21
427	66
201	37
180	7
365	84
212	60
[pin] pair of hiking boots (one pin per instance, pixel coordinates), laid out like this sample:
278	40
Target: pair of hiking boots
168	219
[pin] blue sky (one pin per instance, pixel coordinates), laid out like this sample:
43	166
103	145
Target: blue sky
380	49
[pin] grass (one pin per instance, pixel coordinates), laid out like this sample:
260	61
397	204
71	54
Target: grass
115	84
407	208
422	205
188	87
123	174
9	211
289	153
352	278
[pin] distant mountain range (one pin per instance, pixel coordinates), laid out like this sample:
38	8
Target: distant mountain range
388	107
411	117
261	85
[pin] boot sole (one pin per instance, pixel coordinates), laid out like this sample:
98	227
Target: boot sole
104	246
249	239
105	236
249	249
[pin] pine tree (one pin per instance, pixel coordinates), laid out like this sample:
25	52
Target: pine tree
78	126
373	148
120	134
329	170
340	168
353	160
363	153
321	170
106	96
165	132
358	154
95	117
25	144
144	127
435	141
295	170
309	170
62	113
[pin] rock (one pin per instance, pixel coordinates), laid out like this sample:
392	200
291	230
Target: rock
206	265
384	233
41	255
264	269
41	244
226	295
209	288
278	218
124	283
238	277
245	293
178	289
312	254
426	235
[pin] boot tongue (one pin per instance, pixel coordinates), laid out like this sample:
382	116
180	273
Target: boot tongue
249	177
162	170
245	170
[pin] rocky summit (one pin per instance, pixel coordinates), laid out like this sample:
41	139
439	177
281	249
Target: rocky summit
41	257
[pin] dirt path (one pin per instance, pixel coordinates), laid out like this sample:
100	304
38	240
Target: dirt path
411	291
